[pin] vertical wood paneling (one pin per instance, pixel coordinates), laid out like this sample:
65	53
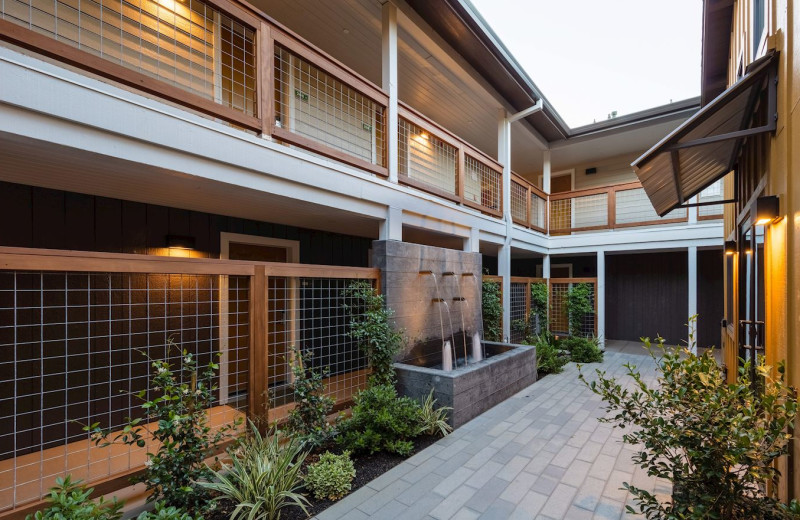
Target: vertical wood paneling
16	214
48	219
710	297
79	221
134	227
108	224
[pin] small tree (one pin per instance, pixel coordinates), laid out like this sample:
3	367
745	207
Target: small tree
309	417
579	304
716	442
492	307
370	326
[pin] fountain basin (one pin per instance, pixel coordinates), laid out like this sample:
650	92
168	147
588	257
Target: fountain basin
471	390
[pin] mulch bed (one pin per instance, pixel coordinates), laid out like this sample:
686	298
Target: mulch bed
368	468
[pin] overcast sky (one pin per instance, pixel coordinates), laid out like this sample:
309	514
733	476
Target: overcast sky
590	57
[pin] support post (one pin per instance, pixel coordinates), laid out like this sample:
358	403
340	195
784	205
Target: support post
504	270
472	244
391	228
389	83
546	171
692	271
692	212
601	298
504	256
257	388
546	266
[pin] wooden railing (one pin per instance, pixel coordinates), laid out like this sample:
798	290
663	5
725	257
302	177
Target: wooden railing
528	204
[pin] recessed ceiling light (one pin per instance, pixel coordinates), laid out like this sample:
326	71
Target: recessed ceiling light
346	31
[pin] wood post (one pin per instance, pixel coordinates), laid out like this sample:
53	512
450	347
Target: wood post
257	391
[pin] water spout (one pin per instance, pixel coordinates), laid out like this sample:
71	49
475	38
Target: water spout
439	299
447	357
477	351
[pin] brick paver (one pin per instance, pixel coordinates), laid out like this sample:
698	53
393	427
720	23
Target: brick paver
540	454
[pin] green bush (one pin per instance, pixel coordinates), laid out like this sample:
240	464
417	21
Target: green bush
309	418
716	442
330	478
539	305
263	478
579	303
70	500
164	512
550	359
492	306
433	420
184	438
381	421
370	326
583	350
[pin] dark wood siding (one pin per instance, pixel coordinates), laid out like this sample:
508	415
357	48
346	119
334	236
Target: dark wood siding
52	219
710	297
647	295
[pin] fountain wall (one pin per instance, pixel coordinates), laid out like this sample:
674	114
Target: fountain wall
413	296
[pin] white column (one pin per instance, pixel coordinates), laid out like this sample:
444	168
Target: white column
472	244
504	255
391	228
692	211
546	171
692	254
546	266
601	298
504	270
389	84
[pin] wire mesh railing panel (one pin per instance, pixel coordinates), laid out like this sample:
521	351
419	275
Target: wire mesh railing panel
427	159
560	215
519	201
77	346
560	308
538	211
313	104
188	44
633	206
590	211
482	185
519	311
312	316
711	194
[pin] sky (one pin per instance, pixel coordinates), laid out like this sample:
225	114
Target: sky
591	57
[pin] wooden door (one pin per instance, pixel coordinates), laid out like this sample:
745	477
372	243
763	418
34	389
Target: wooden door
561	210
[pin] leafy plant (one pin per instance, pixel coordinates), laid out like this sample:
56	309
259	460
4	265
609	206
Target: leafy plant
583	350
164	512
381	421
492	305
331	477
579	303
370	326
434	420
309	417
539	306
69	500
550	359
263	478
716	442
182	433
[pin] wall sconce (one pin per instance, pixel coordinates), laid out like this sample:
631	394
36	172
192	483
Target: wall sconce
730	247
765	210
180	242
421	137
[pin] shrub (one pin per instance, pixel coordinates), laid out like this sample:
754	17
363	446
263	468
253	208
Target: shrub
70	500
381	421
263	478
164	512
550	359
370	327
539	306
330	478
579	303
583	350
434	420
716	442
492	306
184	438
309	417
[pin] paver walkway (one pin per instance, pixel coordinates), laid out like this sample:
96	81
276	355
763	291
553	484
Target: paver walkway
540	454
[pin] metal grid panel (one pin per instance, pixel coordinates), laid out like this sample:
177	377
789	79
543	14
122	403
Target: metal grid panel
188	44
633	206
75	348
309	314
538	209
427	159
590	211
559	315
482	185
713	193
519	201
313	104
519	311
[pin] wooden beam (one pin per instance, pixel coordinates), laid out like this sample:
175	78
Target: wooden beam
257	403
676	175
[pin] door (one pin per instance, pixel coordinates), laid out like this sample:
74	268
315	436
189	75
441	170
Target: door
561	210
751	296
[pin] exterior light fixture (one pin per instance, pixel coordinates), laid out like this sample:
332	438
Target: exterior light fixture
730	247
180	242
765	210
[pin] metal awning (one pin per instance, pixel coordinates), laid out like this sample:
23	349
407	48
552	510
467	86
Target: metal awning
706	146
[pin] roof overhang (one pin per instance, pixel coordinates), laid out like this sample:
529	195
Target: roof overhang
717	21
706	146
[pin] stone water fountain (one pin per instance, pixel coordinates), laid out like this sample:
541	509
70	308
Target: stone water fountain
436	296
